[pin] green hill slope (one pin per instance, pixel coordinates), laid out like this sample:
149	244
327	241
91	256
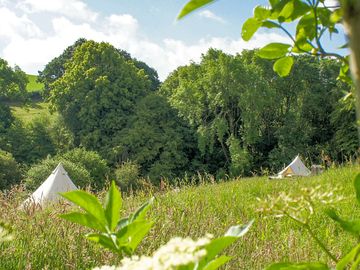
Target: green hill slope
33	85
43	240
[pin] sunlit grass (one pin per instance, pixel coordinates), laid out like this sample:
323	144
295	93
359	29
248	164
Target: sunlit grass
42	240
31	111
33	85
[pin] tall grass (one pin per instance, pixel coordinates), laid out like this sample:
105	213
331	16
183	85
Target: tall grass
44	241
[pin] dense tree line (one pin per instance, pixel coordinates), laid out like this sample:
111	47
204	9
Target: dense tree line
227	115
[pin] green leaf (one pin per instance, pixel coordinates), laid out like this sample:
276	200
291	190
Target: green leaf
249	28
104	240
357	187
191	6
261	13
298	266
216	263
283	66
305	29
240	230
351	257
87	202
337	16
287	10
140	213
84	219
302	46
352	226
274	50
131	235
113	205
270	24
219	244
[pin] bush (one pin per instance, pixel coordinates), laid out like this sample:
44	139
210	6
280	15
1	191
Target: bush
38	173
127	175
9	170
92	162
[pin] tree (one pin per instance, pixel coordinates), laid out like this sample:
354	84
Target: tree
157	140
313	18
9	170
55	69
12	83
207	95
97	93
12	87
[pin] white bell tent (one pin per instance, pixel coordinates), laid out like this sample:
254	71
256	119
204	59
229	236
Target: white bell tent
295	168
58	181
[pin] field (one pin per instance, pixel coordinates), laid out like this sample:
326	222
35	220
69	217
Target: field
33	85
31	111
43	241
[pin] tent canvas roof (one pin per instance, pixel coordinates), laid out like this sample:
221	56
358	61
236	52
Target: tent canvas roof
295	168
58	181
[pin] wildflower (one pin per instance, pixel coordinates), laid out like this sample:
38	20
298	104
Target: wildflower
176	253
298	207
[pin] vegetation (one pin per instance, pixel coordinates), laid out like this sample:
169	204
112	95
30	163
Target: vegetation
42	239
9	170
85	168
33	84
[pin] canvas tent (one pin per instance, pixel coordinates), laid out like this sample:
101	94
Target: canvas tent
295	168
58	181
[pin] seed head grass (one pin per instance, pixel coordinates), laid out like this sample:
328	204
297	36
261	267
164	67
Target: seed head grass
44	241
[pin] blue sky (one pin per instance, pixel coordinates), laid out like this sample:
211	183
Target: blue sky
33	32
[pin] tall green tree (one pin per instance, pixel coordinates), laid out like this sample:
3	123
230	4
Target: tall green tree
97	93
160	142
314	20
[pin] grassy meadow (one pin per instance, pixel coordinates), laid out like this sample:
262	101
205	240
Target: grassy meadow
32	111
44	241
33	85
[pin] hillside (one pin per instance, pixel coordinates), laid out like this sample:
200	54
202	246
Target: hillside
35	108
31	111
193	211
33	85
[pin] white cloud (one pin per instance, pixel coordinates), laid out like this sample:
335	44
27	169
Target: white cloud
210	15
75	9
26	45
13	25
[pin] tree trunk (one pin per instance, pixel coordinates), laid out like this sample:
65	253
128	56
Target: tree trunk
352	27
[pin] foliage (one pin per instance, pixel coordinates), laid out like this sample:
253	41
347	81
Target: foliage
29	142
55	69
97	93
127	175
238	101
314	19
186	254
12	83
91	161
121	235
156	139
33	85
38	173
9	171
85	168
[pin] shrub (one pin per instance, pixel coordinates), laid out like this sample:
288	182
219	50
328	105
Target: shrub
92	162
9	170
127	175
39	172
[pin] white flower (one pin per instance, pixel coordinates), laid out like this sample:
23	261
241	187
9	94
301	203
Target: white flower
177	252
